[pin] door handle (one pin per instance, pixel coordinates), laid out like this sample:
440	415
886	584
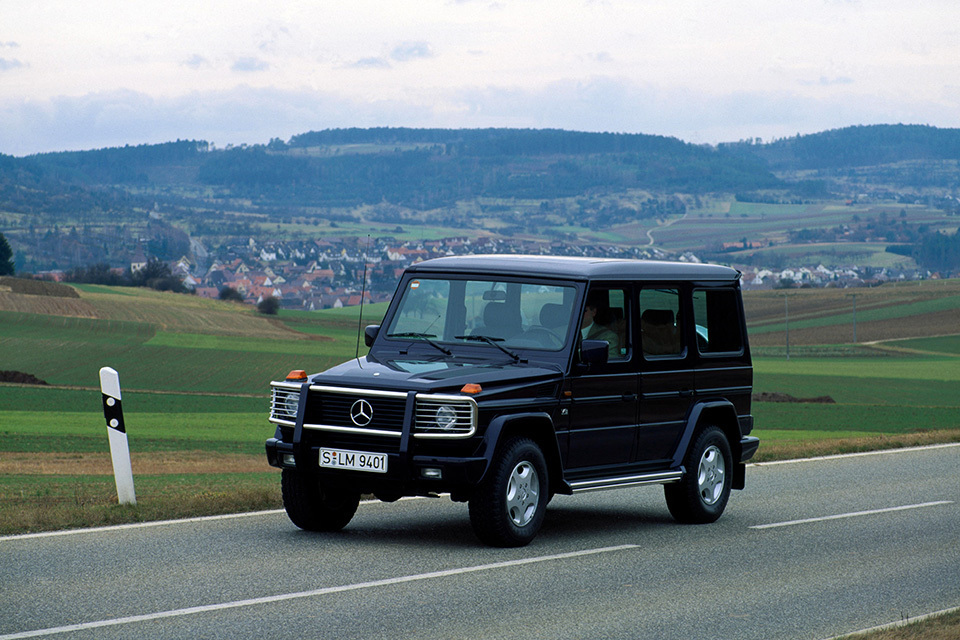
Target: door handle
629	397
686	393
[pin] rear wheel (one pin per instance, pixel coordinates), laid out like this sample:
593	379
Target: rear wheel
508	507
314	507
701	496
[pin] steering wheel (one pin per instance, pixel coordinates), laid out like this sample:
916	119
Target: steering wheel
544	336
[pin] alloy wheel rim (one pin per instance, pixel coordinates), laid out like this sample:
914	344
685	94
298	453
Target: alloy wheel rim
523	493
711	475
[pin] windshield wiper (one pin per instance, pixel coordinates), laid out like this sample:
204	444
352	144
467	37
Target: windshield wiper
493	341
425	337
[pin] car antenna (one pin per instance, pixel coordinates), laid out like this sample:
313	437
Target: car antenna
363	291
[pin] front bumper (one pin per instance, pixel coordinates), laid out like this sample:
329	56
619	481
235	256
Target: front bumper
406	475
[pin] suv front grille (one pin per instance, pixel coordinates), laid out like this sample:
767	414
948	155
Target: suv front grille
355	410
370	413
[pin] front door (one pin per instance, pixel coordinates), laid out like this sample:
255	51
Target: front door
603	400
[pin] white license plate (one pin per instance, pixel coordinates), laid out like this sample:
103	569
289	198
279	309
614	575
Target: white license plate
355	460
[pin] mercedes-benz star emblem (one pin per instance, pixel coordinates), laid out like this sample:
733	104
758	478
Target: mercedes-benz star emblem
361	413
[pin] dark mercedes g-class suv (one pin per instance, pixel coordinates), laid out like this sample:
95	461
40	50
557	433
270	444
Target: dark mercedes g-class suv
504	380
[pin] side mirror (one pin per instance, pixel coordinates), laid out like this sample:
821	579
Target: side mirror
594	351
370	334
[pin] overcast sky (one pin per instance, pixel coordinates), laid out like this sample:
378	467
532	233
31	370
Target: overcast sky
97	73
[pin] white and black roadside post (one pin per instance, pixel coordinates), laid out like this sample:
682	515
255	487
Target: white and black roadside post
117	432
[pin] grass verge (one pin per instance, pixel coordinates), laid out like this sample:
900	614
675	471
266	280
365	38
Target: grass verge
49	503
788	445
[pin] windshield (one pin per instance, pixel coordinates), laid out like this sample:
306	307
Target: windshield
510	315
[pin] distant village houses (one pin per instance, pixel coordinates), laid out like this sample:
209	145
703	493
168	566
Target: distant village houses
329	272
335	272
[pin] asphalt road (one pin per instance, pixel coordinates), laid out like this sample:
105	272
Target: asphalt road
809	550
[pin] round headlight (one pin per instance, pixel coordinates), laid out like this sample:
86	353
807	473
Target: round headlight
446	417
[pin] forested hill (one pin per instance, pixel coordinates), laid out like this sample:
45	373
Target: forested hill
431	168
426	168
502	142
859	146
29	185
126	165
418	168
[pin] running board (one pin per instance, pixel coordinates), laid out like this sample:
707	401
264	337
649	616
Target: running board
660	477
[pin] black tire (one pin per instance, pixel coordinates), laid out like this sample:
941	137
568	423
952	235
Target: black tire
702	495
508	507
313	507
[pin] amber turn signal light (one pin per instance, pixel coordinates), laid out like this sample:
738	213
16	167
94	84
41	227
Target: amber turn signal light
297	374
472	388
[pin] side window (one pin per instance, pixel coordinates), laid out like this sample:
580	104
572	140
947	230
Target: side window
660	334
605	317
717	316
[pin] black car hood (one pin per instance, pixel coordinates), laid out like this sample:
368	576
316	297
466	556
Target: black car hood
432	375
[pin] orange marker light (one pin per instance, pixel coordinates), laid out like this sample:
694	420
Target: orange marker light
472	388
297	374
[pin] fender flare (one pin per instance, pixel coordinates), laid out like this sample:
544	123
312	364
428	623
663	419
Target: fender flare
539	425
693	419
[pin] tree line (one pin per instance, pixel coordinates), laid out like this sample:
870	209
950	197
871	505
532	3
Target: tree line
505	167
155	274
936	251
857	146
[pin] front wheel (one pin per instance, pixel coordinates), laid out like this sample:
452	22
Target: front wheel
314	507
701	496
508	506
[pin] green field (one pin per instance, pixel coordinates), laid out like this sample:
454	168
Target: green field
885	315
717	221
195	378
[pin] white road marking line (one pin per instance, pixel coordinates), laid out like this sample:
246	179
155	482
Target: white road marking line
851	515
311	594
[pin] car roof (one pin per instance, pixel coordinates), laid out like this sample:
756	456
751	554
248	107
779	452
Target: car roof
576	268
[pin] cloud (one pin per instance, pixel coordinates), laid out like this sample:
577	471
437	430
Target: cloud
196	61
411	51
10	64
256	115
369	63
403	52
612	104
237	116
249	65
827	82
271	38
10	44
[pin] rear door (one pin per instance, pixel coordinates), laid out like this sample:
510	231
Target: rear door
666	371
723	369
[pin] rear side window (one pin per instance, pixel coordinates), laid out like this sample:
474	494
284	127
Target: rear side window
716	313
660	334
